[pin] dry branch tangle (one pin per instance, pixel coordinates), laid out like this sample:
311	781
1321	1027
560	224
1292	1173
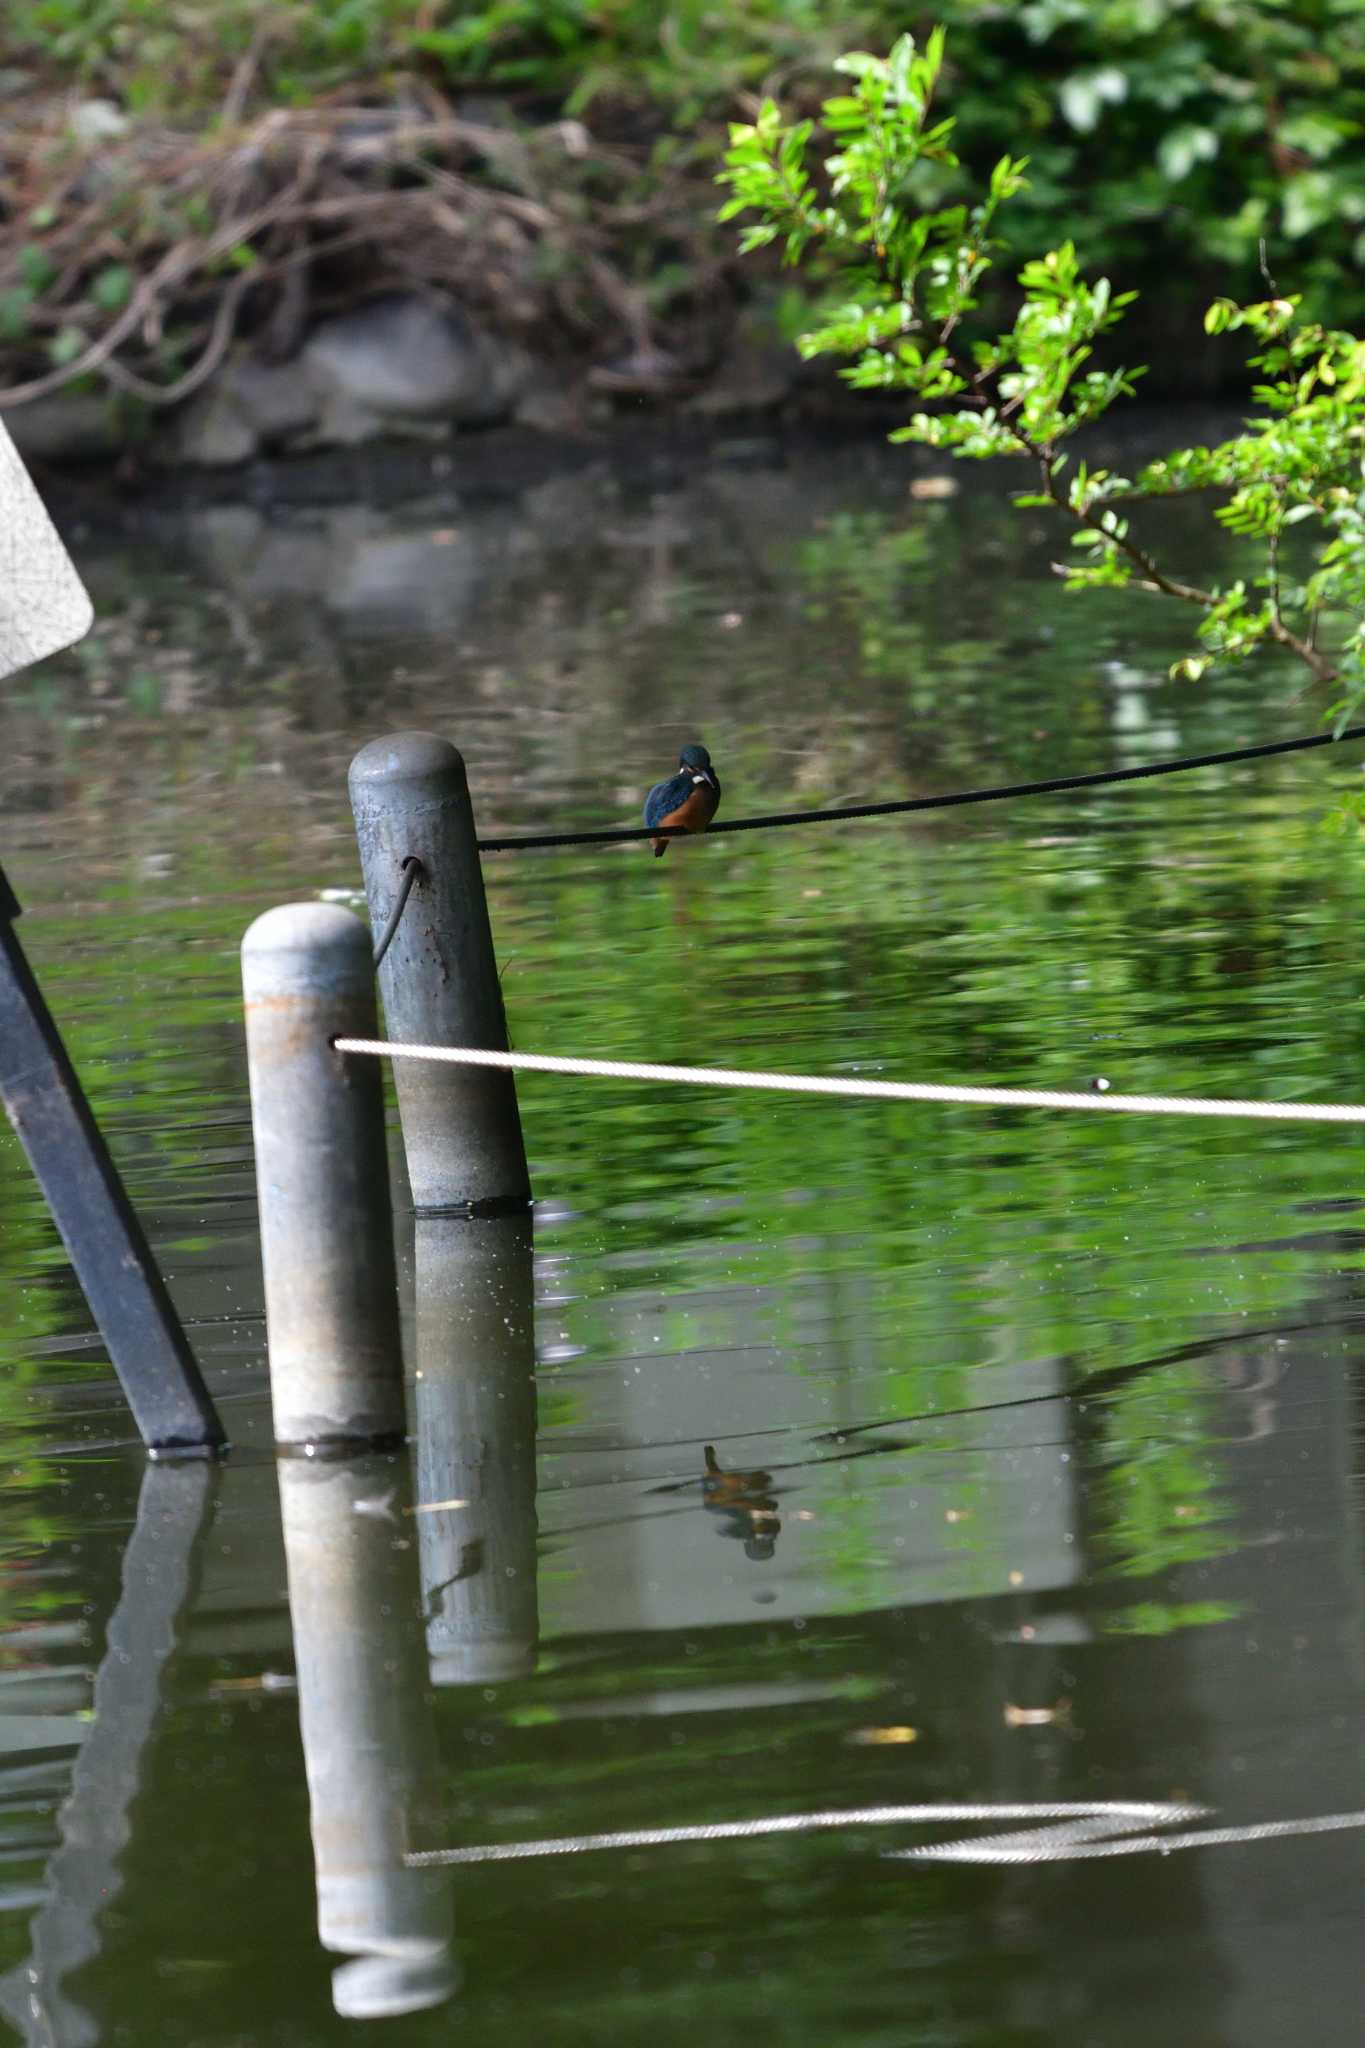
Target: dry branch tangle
258	229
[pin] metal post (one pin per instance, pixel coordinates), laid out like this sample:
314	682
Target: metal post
439	977
476	1446
336	1374
368	1741
113	1261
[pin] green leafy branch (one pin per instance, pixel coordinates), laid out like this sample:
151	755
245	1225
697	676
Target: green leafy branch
908	277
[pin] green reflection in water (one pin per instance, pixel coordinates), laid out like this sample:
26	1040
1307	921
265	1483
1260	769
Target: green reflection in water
877	1309
1199	937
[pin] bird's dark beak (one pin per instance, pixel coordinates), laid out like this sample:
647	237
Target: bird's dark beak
709	774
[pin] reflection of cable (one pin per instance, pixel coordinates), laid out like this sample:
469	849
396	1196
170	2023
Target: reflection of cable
1110	1814
880	1091
1080	1839
1093	1828
1103	1381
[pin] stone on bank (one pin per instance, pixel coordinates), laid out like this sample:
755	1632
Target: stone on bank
403	365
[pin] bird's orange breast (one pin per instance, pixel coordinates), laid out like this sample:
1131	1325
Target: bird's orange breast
696	810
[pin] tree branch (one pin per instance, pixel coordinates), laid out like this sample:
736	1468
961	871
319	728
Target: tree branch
1155	575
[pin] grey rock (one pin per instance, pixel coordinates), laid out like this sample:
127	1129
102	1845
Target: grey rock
261	559
213	432
402	363
71	426
421	583
551	404
249	406
757	373
225	539
351	562
279	399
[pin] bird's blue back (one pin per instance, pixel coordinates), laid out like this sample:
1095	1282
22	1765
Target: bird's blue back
666	796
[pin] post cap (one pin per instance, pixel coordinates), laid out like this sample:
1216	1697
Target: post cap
306	949
407	757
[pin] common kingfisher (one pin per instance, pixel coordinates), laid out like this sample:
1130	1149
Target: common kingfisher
688	799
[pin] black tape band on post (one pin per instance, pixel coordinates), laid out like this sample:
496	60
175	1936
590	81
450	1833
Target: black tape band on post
105	1241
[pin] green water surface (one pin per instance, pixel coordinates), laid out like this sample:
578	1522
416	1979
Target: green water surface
1040	1434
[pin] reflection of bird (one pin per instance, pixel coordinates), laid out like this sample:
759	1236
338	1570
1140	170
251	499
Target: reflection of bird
749	1509
688	799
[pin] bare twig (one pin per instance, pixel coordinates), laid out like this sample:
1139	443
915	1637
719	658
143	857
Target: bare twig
243	78
1325	671
220	337
1270	283
174	268
171	267
322	179
1273	573
1156	577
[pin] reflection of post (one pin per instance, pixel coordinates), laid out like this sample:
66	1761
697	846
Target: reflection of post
94	1824
368	1742
476	1445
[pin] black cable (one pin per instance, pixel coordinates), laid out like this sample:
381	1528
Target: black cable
610	835
412	868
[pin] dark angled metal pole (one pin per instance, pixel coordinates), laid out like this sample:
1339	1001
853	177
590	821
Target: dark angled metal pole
113	1261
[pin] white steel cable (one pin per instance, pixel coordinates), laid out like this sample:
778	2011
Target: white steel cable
879	1091
1111	1814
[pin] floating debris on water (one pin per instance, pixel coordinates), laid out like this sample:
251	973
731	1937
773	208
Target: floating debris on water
380	1505
1039	1717
264	1681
